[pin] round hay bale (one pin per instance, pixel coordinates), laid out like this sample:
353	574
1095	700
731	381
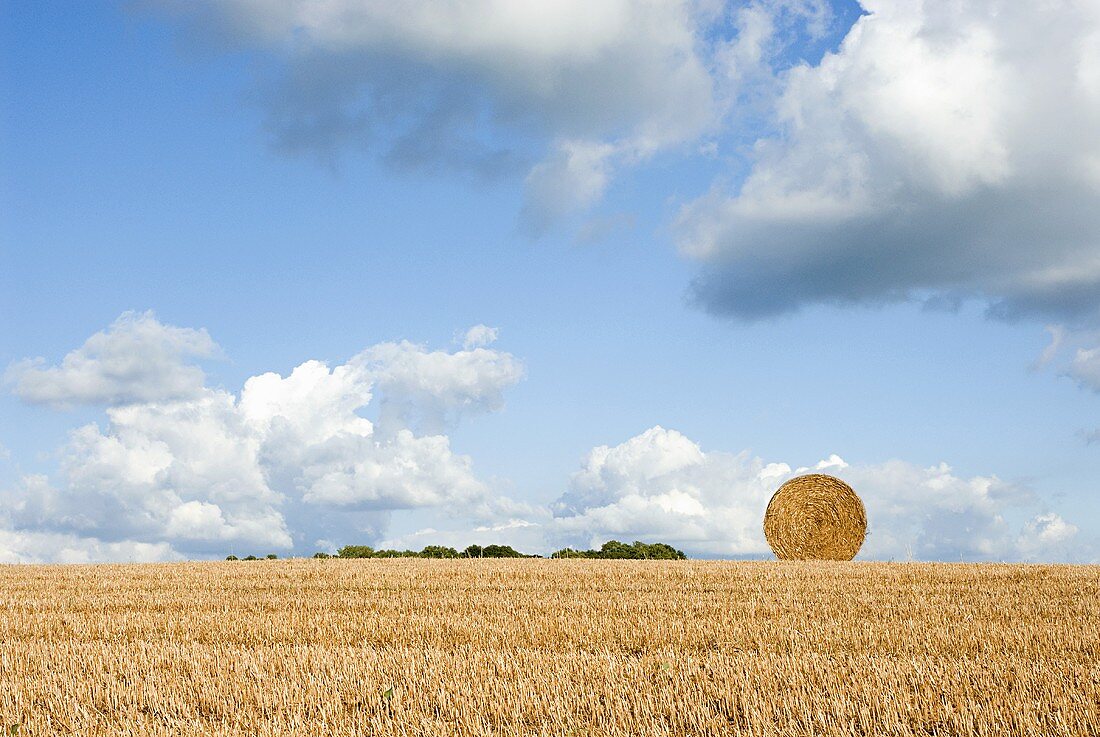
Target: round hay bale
815	517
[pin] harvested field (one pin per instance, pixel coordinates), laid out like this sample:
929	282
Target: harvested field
550	647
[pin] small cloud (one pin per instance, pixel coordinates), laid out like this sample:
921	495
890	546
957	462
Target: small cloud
512	524
1085	368
708	150
429	390
833	461
136	359
571	180
479	336
1057	338
1046	534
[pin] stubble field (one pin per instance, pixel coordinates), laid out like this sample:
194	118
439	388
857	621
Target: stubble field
550	647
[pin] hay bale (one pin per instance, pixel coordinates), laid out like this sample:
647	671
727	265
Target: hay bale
815	517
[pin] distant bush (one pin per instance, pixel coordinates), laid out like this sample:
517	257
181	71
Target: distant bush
356	551
612	549
502	551
493	551
438	551
430	551
615	550
395	554
571	553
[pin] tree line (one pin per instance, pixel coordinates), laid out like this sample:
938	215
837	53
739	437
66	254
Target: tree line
431	551
610	550
615	550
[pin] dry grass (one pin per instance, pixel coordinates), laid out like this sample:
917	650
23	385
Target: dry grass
534	647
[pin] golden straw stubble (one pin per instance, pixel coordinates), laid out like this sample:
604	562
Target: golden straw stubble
412	647
815	517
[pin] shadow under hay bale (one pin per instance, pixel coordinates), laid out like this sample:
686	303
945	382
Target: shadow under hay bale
815	517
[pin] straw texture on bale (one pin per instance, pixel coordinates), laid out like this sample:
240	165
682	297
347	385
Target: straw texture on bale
815	517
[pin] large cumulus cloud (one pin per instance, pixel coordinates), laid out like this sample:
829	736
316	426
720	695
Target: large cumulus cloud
135	359
287	462
560	93
946	151
661	485
480	85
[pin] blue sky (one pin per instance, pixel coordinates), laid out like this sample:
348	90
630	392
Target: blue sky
716	244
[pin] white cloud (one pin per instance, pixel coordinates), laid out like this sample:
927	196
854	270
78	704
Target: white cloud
403	473
946	150
493	86
1085	368
932	514
479	336
429	389
136	359
423	79
832	462
1048	534
288	461
1057	338
44	547
313	403
573	178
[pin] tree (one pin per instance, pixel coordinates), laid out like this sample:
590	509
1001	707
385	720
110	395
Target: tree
355	551
659	551
571	553
615	550
430	551
394	554
438	551
501	551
